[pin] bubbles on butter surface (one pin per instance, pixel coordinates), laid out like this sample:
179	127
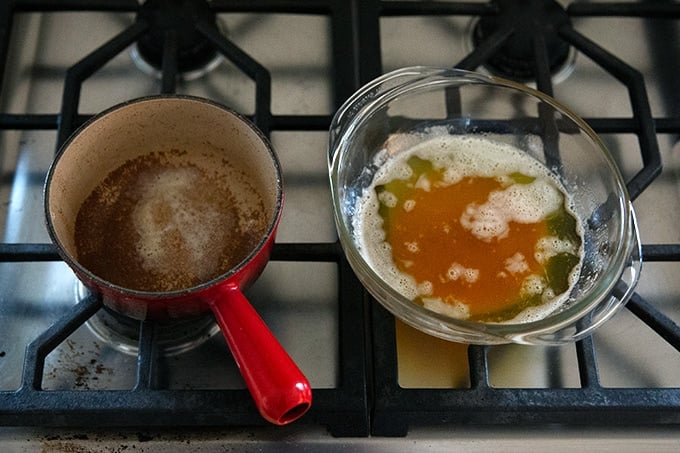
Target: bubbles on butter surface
453	310
534	284
550	246
521	203
388	198
460	157
516	264
457	271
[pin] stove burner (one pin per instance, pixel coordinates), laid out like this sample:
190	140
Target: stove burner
516	57
173	336
195	55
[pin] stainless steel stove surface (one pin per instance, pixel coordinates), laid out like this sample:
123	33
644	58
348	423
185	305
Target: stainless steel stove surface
76	377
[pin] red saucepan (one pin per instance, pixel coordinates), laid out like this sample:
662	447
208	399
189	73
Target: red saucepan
168	206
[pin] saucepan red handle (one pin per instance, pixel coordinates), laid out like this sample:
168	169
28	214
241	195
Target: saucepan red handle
281	392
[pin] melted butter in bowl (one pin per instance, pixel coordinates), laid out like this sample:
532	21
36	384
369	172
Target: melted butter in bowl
471	228
479	210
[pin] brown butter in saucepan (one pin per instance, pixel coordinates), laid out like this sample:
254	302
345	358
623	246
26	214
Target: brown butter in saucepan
153	225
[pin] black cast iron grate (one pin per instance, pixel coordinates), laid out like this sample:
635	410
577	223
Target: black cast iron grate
369	399
396	408
343	409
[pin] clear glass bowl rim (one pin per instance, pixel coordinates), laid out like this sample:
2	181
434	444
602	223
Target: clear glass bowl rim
358	108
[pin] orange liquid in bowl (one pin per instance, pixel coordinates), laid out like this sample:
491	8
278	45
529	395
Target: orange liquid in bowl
483	247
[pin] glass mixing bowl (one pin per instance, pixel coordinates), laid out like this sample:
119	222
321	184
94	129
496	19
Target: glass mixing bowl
408	106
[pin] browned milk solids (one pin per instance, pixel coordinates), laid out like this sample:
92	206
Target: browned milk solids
152	225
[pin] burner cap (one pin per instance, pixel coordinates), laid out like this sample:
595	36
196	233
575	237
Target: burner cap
195	53
515	59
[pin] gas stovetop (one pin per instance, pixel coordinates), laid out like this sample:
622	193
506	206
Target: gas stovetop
68	363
